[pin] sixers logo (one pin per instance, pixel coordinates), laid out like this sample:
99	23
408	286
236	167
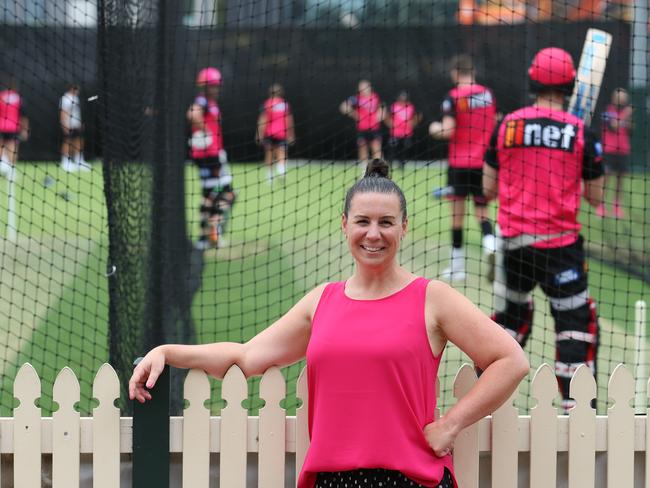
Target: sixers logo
10	98
546	133
278	107
476	101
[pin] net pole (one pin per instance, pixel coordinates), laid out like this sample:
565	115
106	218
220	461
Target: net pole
170	248
151	436
640	355
499	285
639	84
12	233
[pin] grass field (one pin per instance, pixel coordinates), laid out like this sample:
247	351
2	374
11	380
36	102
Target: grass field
283	240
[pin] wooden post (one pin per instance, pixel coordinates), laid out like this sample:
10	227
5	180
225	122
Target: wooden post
151	437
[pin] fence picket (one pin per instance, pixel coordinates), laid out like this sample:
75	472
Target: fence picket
196	431
543	429
582	430
640	354
65	431
647	436
106	429
505	424
27	429
620	433
466	461
272	430
620	429
234	420
302	424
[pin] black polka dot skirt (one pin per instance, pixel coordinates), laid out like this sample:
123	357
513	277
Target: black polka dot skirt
373	478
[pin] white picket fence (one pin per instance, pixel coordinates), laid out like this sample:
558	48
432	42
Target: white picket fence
543	433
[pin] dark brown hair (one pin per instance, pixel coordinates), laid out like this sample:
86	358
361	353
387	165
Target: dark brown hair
376	180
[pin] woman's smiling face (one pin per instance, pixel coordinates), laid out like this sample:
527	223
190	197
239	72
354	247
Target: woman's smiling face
374	228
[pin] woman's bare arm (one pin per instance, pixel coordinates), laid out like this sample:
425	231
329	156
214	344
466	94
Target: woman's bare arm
283	343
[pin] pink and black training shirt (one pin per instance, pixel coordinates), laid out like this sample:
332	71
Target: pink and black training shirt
542	156
10	105
212	119
277	113
367	108
402	116
616	140
474	109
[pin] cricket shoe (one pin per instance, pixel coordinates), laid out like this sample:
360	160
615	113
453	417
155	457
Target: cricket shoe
69	166
6	169
456	269
489	243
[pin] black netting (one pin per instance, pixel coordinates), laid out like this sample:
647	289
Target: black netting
101	262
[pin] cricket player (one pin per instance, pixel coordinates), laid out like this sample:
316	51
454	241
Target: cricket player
469	117
540	163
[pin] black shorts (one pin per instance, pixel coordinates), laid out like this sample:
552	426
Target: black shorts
372	478
465	182
400	142
617	163
73	134
560	271
274	142
365	136
208	167
9	136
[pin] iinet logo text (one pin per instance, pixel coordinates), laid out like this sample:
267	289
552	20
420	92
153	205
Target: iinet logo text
545	133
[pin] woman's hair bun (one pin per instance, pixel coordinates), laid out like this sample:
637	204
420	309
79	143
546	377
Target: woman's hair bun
377	168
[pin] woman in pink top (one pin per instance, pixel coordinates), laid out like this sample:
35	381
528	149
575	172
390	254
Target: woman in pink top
401	120
367	110
617	125
373	345
208	153
275	130
14	127
469	117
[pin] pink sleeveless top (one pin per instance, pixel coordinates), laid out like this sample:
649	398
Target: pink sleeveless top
371	377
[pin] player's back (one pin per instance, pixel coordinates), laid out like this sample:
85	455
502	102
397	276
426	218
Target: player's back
474	109
540	159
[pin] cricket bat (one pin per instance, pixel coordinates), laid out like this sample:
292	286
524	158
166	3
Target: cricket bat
590	73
